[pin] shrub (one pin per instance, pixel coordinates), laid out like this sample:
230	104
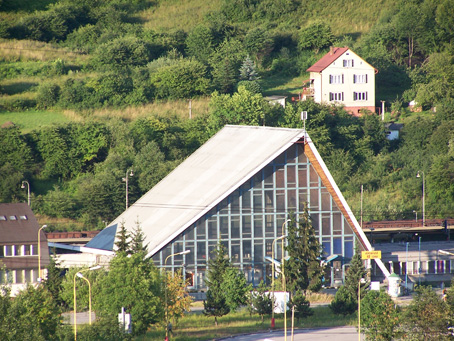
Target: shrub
251	86
47	95
343	303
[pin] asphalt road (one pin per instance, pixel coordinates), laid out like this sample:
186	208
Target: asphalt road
325	334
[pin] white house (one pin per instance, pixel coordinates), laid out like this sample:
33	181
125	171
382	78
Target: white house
342	77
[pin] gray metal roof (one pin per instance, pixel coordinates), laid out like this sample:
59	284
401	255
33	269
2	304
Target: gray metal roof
204	179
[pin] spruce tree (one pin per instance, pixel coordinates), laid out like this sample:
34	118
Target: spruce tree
354	274
248	71
122	237
303	270
54	280
216	303
261	301
137	239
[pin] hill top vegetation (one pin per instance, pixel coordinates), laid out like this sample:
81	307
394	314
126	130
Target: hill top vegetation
90	89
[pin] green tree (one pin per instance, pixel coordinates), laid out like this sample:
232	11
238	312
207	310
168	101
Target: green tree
235	288
343	302
216	301
379	316
303	270
133	283
316	37
137	240
199	43
260	301
122	242
53	281
427	316
178	299
301	305
248	70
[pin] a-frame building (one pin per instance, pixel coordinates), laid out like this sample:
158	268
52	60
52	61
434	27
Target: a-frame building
239	188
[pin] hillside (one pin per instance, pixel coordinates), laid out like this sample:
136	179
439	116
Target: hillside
95	88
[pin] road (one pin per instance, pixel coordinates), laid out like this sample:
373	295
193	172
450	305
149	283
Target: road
338	334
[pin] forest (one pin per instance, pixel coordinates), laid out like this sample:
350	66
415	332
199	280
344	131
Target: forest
92	89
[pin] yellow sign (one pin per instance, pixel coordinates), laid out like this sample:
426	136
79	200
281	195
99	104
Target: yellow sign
371	254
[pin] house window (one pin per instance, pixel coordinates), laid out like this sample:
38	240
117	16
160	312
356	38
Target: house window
336	79
336	96
2	253
2	217
8	250
359	79
12	217
23	217
360	96
348	63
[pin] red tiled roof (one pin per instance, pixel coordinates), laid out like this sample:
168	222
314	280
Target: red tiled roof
327	59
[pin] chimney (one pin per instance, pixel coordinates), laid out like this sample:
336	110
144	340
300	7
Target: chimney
331	50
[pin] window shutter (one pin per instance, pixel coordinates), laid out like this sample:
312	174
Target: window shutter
330	79
353	63
342	78
354	79
354	96
366	78
330	96
366	96
342	96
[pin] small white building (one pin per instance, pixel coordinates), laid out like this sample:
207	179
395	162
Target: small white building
342	77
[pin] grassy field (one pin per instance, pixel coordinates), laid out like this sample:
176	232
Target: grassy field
196	326
29	120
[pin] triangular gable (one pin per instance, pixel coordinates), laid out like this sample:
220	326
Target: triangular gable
328	59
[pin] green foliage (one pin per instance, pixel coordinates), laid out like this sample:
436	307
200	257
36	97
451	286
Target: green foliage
54	280
301	305
316	37
260	301
137	240
427	316
303	270
184	79
122	242
216	301
47	95
200	43
344	303
235	288
133	283
248	71
379	316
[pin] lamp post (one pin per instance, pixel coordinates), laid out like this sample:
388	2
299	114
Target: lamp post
125	179
28	190
416	215
423	197
39	252
283	278
185	252
361	280
419	268
406	266
79	274
272	277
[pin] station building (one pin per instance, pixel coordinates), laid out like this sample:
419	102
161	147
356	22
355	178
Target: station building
239	188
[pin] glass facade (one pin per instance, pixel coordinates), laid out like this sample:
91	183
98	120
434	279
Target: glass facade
252	216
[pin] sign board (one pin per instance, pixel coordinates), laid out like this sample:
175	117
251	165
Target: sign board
371	254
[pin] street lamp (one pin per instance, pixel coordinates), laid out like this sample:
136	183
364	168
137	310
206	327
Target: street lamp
406	266
272	276
419	268
28	190
423	197
361	280
283	278
125	179
416	215
79	274
39	252
185	252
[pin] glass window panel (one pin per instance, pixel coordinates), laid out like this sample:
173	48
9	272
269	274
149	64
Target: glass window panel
235	227
337	223
189	258
269	226
404	268
201	233
258	251
280	177
291	176
258	201
212	245
291	200
326	199
34	249
247	230
326	244
258	226
291	154
303	199
326	224
212	228
280	200
337	246
347	228
19	276
269	247
28	276
269	201
2	252
200	277
236	251
348	249
224	227
448	266
334	207
315	219
313	177
268	174
8	250
224	206
246	201
235	202
258	274
257	179
157	258
189	233
431	267
17	251
396	267
280	159
301	156
27	250
247	251
302	176
314	200
201	252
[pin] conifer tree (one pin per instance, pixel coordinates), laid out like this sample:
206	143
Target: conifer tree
137	239
262	302
54	280
248	71
216	303
354	274
122	237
